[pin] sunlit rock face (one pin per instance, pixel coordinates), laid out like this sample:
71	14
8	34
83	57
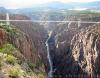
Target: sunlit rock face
86	50
65	64
79	55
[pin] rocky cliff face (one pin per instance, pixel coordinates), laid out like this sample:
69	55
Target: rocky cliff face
21	41
86	48
65	63
77	55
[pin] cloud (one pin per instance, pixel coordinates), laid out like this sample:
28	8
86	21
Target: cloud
28	3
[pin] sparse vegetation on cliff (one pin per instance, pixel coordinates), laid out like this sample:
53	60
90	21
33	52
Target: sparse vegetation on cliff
7	48
11	59
14	72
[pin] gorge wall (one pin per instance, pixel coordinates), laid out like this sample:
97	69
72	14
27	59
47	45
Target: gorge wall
78	55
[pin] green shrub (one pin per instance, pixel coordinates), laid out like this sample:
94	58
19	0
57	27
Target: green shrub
14	72
11	59
7	48
40	76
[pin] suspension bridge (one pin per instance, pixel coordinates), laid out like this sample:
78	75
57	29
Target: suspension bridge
8	20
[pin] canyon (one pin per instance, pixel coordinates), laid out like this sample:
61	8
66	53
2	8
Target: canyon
59	49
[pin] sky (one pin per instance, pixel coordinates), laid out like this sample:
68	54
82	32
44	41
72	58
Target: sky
27	3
